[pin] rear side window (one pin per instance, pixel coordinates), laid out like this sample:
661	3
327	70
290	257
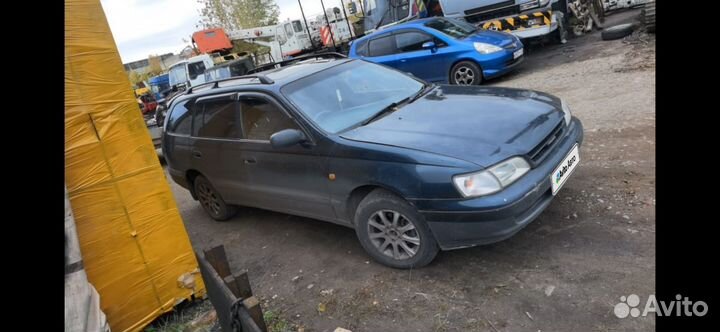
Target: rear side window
361	48
262	118
180	119
220	119
382	46
411	41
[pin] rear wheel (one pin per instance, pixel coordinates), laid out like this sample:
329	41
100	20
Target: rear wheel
211	200
393	232
465	73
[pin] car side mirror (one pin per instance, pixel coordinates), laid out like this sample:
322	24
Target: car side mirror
286	138
430	46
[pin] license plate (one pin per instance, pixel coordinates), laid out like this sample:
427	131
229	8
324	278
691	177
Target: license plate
566	167
517	53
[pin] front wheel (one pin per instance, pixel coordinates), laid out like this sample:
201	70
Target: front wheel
393	232
465	73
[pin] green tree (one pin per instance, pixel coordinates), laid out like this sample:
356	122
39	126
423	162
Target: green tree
238	14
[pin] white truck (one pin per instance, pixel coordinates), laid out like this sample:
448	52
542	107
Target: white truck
190	72
523	18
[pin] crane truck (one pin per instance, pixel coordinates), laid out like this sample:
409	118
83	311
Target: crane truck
286	39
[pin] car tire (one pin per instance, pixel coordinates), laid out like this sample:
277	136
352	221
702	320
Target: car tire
211	201
466	73
392	232
617	31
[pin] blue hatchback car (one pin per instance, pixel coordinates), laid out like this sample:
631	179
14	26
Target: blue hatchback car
442	50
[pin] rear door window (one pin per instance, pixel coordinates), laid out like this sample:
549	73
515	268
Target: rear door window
220	118
382	46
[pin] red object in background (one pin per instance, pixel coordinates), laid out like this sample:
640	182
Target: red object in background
212	40
326	35
148	104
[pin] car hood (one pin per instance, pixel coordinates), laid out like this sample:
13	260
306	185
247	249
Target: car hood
496	38
482	125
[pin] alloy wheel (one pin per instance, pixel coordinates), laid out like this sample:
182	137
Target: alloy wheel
393	234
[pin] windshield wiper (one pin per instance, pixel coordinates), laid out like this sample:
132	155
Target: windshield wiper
391	108
387	109
420	93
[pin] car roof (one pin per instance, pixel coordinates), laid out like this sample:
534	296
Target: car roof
417	23
279	77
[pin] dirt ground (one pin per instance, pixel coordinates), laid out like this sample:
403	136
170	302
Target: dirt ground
564	272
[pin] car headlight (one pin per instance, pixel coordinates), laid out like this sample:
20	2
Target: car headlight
566	112
486	48
492	179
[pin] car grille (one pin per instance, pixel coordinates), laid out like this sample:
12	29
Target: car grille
539	152
479	14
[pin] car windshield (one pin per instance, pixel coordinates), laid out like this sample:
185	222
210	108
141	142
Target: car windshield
346	95
452	27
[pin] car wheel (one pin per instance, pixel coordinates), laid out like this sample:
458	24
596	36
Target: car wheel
211	200
465	73
393	232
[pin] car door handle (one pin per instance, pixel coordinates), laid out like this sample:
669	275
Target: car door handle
403	60
197	154
250	161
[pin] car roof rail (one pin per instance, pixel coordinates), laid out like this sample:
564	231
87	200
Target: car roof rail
262	78
324	55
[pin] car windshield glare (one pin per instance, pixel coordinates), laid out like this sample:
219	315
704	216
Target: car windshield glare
348	94
452	27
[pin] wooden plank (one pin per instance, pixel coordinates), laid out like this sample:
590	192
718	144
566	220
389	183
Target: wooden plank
220	297
253	307
243	285
217	258
232	285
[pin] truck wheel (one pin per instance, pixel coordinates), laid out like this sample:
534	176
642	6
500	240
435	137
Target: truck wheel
465	73
392	231
617	31
211	200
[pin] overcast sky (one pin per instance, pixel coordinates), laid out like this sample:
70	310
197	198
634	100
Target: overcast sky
144	27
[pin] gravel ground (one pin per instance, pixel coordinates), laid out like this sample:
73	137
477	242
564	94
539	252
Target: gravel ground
564	272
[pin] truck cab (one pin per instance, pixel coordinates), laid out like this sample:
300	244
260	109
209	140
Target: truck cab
523	18
190	72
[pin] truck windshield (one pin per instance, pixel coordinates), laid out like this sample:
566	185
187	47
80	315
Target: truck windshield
452	27
346	95
383	12
177	75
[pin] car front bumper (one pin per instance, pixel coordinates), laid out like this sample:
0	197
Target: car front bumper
460	223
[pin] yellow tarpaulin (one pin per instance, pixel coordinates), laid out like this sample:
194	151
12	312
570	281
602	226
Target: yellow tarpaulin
135	247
